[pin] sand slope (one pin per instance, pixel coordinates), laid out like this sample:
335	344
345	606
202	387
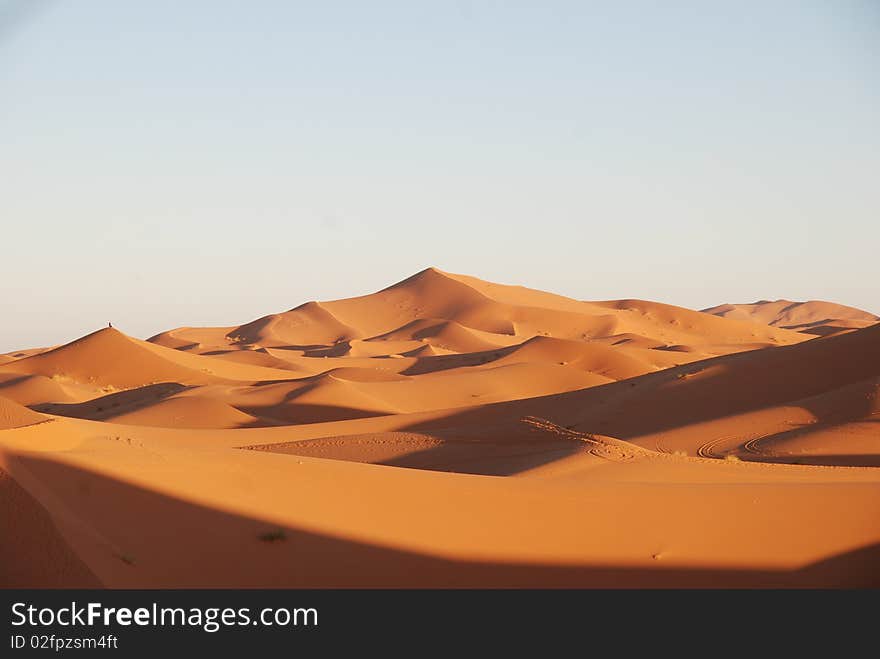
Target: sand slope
13	415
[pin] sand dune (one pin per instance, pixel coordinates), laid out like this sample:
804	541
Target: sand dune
187	412
110	359
32	389
714	408
13	415
104	358
192	338
432	302
813	317
447	431
615	364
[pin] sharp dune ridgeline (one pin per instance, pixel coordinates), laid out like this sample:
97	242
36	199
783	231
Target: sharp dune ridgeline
451	432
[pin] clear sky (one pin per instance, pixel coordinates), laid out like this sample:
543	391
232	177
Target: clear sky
171	163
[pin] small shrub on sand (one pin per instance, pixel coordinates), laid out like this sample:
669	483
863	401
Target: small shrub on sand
273	536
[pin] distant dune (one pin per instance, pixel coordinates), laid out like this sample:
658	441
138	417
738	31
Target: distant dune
813	317
447	431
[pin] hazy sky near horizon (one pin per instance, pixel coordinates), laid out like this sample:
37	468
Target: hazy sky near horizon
187	163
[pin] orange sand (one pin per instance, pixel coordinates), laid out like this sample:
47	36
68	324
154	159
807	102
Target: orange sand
451	432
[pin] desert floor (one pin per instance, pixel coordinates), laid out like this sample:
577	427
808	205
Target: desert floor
448	431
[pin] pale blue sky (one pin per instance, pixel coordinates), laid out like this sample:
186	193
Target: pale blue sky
183	163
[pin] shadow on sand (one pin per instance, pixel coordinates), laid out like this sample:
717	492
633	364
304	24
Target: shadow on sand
151	540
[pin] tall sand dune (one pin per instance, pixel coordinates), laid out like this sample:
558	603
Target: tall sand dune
433	297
